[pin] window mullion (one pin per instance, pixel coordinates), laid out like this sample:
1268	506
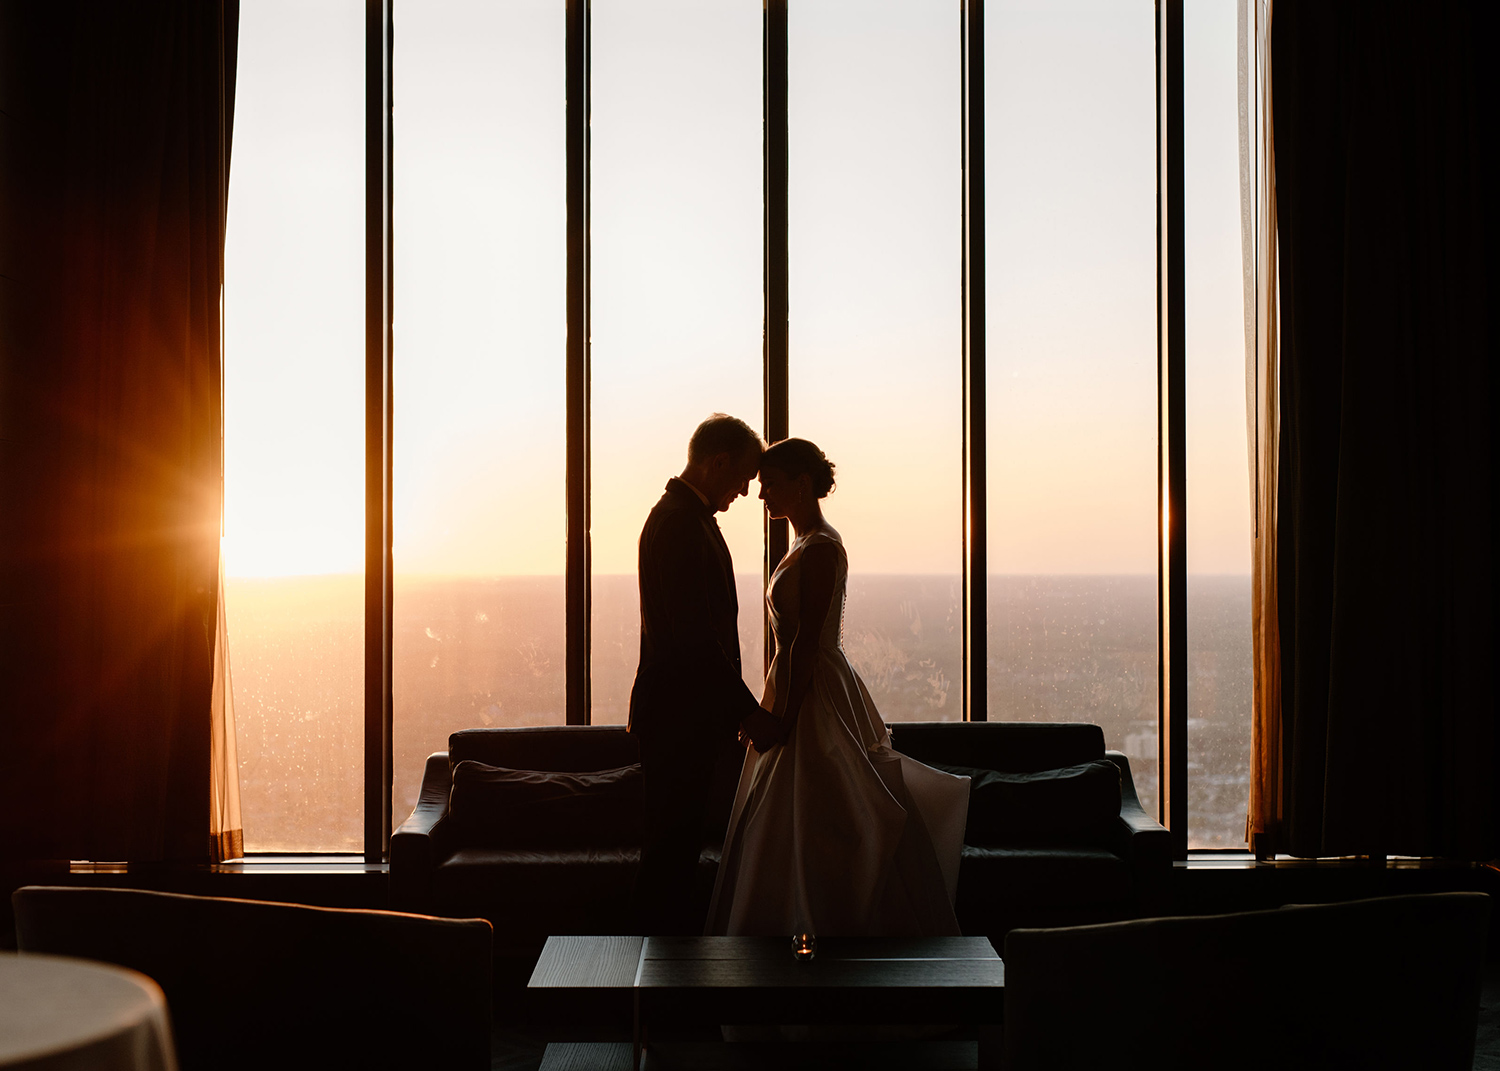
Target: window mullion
1172	444
776	337
976	520
579	564
378	428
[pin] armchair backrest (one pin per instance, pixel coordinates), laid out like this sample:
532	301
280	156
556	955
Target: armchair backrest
1386	983
252	984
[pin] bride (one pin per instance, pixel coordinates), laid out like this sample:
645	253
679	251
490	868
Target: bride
832	832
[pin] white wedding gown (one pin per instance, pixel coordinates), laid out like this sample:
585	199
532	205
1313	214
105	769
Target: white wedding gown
834	833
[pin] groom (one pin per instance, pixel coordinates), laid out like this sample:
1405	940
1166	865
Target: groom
689	699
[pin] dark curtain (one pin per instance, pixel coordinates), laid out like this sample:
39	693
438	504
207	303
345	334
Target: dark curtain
116	165
1385	189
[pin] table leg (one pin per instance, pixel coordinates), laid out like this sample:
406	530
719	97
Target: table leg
989	1047
637	1034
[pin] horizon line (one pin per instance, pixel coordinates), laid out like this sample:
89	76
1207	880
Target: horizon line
561	576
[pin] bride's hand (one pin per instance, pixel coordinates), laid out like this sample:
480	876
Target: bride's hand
764	730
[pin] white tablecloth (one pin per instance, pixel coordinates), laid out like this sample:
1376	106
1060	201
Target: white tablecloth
58	1013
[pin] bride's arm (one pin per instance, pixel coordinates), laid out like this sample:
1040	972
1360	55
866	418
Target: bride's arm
815	596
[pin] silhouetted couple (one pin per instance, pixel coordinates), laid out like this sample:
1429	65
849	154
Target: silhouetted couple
832	831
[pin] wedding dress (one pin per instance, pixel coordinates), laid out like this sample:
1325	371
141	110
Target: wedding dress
833	832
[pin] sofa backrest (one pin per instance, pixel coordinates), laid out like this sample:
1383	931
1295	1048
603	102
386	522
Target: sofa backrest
585	748
559	748
1010	747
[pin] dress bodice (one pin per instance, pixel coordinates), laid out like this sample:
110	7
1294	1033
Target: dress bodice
784	593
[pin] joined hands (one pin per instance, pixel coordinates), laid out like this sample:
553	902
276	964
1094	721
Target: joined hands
763	730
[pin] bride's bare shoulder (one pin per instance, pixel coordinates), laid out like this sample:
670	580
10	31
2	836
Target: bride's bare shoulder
823	551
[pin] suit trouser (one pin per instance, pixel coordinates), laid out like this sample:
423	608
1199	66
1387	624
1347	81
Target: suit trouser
679	776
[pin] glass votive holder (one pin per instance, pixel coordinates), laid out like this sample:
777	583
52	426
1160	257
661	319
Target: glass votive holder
804	947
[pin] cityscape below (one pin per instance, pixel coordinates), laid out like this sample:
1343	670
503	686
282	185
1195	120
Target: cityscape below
489	652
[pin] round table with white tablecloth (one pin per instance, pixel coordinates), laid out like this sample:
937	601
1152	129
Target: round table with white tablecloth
61	1014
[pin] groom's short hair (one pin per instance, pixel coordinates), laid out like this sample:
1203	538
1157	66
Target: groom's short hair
722	434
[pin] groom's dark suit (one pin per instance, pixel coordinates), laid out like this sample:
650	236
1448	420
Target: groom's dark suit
689	697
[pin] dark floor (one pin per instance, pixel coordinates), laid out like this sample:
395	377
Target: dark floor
515	1048
1487	1040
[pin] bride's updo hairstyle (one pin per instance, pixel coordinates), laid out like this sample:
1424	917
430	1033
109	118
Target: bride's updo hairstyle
798	457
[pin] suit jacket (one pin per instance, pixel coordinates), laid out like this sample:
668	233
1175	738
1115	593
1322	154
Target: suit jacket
688	683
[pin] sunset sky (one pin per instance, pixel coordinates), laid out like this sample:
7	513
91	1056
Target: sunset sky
677	304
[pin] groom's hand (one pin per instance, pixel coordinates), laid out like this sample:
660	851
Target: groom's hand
763	729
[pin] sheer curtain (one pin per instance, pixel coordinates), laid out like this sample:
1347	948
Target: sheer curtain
1258	244
226	831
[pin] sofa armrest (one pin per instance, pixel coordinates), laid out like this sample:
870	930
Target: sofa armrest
415	848
1141	841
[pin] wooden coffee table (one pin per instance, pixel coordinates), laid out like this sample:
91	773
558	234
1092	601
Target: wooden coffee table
685	981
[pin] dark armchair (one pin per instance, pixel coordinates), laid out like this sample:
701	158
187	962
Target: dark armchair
251	984
1386	983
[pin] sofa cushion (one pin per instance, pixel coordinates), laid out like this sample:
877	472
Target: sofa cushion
579	890
1057	877
535	892
492	806
1068	805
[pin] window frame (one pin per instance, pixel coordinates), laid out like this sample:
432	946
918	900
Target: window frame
379	392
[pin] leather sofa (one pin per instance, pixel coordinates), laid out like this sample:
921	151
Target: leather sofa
1117	871
556	881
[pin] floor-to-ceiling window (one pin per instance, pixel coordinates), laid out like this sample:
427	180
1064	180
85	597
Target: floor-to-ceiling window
675	229
874	376
478	476
1220	672
294	419
1070	138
